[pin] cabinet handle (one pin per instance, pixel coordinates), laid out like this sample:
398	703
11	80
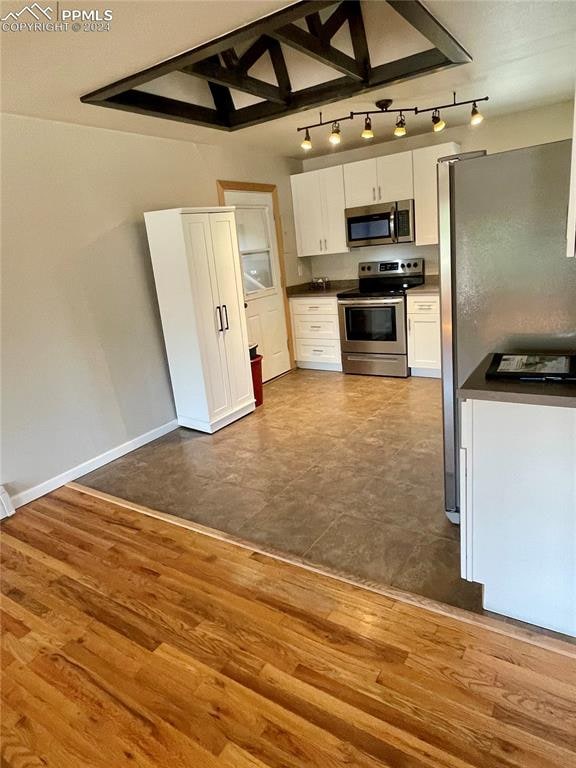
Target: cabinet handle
320	241
325	246
313	307
318	350
316	327
409	325
379	193
373	193
220	327
224	307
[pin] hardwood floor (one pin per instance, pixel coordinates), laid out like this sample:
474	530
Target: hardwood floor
128	641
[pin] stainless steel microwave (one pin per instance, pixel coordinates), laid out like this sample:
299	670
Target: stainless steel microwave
380	224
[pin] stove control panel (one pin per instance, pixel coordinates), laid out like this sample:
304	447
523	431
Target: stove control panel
391	268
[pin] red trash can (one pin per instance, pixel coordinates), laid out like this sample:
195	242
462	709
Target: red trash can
256	365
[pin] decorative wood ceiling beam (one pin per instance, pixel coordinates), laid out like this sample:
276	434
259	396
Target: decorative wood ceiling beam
159	106
311	46
218	63
335	21
280	69
422	20
214	73
213	47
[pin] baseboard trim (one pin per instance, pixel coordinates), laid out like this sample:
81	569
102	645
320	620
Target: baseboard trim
319	366
427	373
25	497
213	426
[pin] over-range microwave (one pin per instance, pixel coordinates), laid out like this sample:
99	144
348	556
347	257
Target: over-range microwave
380	224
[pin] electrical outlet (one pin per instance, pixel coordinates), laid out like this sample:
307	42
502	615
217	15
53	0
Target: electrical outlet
300	269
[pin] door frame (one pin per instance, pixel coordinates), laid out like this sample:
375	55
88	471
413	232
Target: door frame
249	186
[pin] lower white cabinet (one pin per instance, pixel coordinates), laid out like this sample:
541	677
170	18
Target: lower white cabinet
424	347
200	294
518	509
316	333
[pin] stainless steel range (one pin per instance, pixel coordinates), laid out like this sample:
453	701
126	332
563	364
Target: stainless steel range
373	317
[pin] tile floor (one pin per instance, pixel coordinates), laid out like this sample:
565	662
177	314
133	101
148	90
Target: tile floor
344	472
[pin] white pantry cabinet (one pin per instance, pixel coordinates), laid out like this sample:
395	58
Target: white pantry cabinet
518	509
379	180
199	286
318	200
424	163
424	348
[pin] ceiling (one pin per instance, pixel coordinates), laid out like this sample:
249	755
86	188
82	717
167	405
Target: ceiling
522	57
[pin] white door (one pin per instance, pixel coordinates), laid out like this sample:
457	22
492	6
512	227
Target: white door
227	261
360	183
332	189
424	341
306	198
263	291
395	177
202	269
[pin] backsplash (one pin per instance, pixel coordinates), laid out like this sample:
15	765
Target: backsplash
344	266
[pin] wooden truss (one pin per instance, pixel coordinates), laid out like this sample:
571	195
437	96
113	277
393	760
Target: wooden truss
218	63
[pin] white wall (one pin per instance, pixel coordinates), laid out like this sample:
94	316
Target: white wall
83	364
500	134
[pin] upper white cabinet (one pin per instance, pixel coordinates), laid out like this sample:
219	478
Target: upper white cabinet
318	199
424	162
199	286
379	180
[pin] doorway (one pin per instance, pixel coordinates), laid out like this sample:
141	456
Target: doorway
262	267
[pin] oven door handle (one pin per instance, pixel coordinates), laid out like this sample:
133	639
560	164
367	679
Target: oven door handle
369	302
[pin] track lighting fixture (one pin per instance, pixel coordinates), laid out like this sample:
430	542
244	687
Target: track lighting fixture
367	133
307	143
384	108
400	129
476	116
437	123
334	137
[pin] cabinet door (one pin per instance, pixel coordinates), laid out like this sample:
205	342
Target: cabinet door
424	341
202	270
360	183
394	174
307	202
425	190
333	205
229	278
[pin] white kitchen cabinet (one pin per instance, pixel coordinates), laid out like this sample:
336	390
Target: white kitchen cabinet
518	509
316	332
379	180
424	348
318	200
424	162
200	295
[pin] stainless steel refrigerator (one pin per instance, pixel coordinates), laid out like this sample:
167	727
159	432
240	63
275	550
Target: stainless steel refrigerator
505	282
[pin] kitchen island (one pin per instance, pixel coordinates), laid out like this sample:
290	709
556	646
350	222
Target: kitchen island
518	497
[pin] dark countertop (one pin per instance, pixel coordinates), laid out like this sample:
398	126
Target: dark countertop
306	290
477	387
337	286
431	285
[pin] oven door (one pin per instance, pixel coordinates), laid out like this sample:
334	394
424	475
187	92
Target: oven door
373	325
370	225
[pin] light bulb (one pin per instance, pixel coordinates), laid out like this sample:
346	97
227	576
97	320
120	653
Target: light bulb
367	133
307	143
400	129
437	123
476	116
334	137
